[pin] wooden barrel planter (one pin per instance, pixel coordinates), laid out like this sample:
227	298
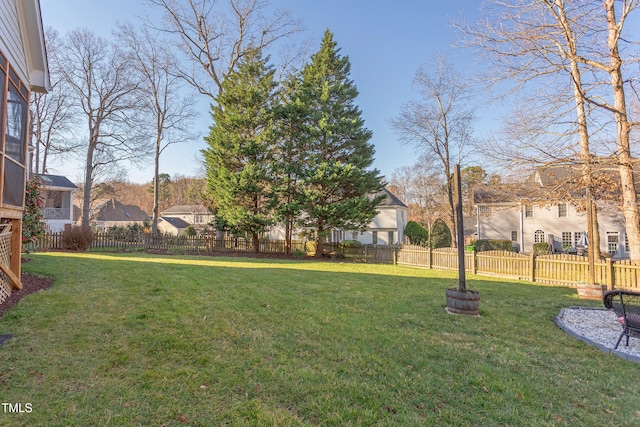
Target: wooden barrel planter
591	292
463	302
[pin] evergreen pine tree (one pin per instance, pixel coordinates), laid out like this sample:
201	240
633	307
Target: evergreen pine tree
338	184
239	157
289	158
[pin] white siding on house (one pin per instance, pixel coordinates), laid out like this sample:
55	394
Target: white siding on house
22	42
10	38
502	221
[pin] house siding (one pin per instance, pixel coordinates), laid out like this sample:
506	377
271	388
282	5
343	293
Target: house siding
10	38
503	220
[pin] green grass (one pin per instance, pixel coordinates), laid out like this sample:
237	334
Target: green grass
135	339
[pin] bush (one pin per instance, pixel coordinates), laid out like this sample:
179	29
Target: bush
190	231
349	248
493	245
440	235
416	234
541	248
299	254
77	238
350	244
33	225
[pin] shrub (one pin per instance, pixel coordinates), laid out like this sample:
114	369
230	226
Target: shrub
440	235
33	225
541	248
299	254
493	245
351	248
350	244
77	238
416	234
190	231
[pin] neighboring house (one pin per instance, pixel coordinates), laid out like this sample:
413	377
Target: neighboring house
547	208
197	215
23	69
58	201
170	225
386	228
114	214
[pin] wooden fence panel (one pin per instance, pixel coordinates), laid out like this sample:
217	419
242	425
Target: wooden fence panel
414	256
445	258
504	263
626	274
561	269
380	254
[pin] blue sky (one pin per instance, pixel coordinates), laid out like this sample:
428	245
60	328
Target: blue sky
386	42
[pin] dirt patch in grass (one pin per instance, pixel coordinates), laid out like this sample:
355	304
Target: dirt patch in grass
30	285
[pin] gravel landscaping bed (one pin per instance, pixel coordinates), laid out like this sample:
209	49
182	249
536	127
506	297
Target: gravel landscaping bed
598	327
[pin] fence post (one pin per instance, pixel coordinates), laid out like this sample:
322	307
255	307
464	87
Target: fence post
532	267
430	253
395	255
610	279
474	262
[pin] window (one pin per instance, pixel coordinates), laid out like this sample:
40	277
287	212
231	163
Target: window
354	235
514	235
16	131
528	211
626	242
612	242
576	237
13	133
567	239
538	236
562	210
484	211
374	237
390	237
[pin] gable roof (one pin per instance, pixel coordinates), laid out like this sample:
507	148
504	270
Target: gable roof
390	200
176	222
58	181
558	182
186	209
113	210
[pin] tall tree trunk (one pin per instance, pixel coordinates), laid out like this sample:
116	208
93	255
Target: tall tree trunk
629	195
156	187
585	150
88	183
319	239
256	242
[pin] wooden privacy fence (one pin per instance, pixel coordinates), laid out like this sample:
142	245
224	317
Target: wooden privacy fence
142	241
563	269
560	269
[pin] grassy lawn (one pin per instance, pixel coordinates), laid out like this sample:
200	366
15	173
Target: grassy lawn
135	339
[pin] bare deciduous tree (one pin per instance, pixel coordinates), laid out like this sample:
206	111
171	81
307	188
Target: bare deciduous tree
105	92
551	41
50	112
214	38
172	113
439	124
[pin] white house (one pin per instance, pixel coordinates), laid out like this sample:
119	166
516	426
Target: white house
58	201
171	225
198	216
529	213
23	69
386	228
